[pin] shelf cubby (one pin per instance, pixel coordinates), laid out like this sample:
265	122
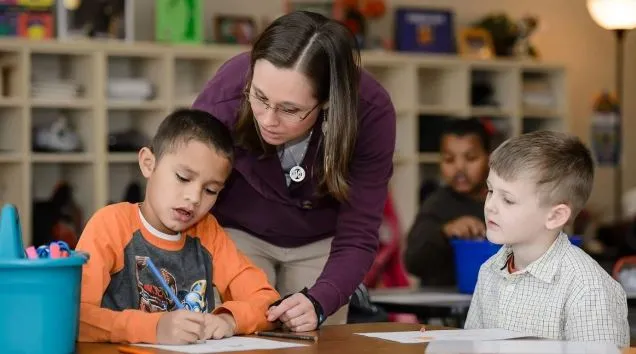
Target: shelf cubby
12	85
136	127
190	76
79	174
136	80
79	124
62	79
443	89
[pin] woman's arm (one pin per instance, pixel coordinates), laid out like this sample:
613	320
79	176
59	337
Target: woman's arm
356	238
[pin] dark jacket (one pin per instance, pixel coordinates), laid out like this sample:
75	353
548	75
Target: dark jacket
429	254
257	199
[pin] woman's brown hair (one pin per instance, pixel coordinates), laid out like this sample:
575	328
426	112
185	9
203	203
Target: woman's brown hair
328	54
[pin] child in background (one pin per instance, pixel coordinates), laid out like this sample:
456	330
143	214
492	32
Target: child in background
122	301
455	210
538	283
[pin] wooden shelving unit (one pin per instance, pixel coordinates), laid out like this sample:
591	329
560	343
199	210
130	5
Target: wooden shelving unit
421	86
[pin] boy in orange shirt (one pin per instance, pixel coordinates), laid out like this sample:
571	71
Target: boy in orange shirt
186	167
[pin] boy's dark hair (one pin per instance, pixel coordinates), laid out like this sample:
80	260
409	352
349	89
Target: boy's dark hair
184	125
560	165
463	127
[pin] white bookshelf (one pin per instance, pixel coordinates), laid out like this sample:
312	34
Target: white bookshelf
420	85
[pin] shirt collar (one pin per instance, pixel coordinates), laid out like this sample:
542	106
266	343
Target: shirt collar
544	268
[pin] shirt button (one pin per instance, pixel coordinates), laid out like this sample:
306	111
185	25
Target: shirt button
306	204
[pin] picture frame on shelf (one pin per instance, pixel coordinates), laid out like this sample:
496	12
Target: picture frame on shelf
36	25
31	19
110	19
232	29
476	43
425	30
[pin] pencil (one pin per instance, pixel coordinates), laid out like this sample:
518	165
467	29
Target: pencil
133	350
287	336
164	285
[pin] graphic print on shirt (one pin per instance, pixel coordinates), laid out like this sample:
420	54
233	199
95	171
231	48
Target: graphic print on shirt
153	298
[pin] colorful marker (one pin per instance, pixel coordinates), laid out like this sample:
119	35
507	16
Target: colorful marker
133	350
54	250
31	253
43	251
163	283
63	246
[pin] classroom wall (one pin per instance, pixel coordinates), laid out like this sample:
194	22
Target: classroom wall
567	35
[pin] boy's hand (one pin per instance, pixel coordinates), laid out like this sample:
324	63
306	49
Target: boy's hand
466	227
180	327
219	326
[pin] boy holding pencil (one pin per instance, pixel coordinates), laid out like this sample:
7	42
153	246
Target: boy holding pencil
538	283
153	265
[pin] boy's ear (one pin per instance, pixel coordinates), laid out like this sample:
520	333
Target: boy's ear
147	161
558	217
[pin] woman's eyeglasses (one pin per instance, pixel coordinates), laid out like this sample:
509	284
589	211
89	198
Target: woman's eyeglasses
286	114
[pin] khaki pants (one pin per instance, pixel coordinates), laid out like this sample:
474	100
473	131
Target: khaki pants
289	270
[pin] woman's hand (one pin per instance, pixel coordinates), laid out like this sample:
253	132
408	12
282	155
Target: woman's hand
295	312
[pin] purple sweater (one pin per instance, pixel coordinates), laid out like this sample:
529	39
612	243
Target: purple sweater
257	200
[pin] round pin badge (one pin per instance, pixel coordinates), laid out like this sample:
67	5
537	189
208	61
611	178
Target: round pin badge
297	174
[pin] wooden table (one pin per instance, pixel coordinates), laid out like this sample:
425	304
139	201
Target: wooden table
332	339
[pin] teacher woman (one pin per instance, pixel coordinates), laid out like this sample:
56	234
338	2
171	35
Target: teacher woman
314	143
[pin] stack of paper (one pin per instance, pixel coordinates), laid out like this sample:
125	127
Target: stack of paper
457	335
226	345
521	347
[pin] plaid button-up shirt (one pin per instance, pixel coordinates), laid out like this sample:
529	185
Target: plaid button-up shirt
563	295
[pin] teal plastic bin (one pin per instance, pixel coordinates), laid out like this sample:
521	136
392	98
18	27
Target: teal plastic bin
471	254
40	297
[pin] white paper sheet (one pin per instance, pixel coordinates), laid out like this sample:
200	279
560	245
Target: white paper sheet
456	335
227	345
519	346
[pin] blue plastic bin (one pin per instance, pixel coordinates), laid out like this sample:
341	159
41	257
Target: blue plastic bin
471	254
40	297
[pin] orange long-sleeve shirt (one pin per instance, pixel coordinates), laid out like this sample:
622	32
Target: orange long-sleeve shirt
121	301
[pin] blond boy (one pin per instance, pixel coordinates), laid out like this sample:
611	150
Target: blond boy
539	283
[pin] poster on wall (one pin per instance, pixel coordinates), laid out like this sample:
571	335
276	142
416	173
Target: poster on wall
606	131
